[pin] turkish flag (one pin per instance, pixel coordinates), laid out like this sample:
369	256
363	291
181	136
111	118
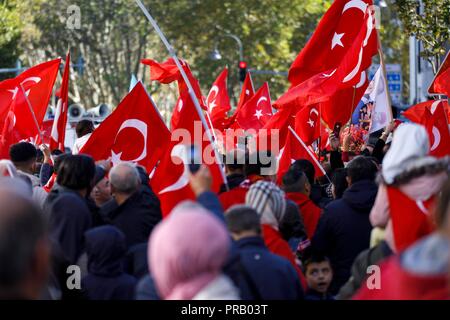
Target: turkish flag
58	133
37	82
432	115
170	181
307	124
218	101
441	81
247	93
134	132
19	125
294	150
346	81
333	37
256	111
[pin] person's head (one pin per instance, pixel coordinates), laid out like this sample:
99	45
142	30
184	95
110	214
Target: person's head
360	168
262	164
84	127
307	167
24	246
105	249
57	160
234	161
186	252
296	181
339	183
242	222
124	179
318	273
23	155
269	202
442	211
77	172
101	193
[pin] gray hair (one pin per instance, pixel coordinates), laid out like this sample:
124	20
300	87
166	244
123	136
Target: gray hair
124	177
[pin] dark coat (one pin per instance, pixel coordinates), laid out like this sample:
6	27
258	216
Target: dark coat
344	229
292	226
136	217
271	277
105	248
313	295
233	181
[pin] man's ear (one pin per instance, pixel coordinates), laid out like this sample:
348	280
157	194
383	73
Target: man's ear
349	181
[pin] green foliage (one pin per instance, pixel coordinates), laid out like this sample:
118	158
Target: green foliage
10	30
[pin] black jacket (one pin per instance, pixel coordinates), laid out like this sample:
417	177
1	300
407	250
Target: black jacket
344	229
136	217
233	181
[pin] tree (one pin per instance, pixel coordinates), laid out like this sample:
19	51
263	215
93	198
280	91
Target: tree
429	22
10	30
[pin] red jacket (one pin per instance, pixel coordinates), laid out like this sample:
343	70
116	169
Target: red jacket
277	245
398	284
309	211
237	195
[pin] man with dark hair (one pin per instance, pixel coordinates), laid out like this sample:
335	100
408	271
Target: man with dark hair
298	189
234	169
131	210
24	155
318	273
24	248
269	277
344	228
83	130
316	194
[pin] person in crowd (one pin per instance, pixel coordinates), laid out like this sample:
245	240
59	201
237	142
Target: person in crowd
318	273
344	228
130	210
48	165
234	169
271	277
101	193
106	279
66	205
51	181
317	194
83	130
24	155
24	248
187	251
269	202
258	166
410	181
298	189
339	183
382	145
421	272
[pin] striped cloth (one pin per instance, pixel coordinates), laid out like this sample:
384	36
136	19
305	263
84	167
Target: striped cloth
268	200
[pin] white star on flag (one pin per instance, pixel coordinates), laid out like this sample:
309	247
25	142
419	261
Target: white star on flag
247	92
212	105
311	123
258	114
337	40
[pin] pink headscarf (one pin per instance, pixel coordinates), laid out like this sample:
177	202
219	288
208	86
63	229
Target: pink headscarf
186	252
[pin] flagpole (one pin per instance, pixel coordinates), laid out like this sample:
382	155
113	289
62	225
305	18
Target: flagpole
186	80
309	152
32	113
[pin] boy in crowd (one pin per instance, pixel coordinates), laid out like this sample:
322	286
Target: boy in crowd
318	274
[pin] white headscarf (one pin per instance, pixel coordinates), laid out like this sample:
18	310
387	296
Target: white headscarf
409	149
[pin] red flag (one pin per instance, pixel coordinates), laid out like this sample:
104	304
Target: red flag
307	124
246	94
294	150
134	132
19	125
58	133
257	111
432	116
218	101
37	82
441	81
347	80
331	40
171	178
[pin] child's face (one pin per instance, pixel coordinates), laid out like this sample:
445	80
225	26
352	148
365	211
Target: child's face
319	276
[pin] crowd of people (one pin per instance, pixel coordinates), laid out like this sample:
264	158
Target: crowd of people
73	228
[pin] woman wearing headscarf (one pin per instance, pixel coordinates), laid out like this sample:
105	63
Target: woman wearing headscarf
186	253
270	203
410	181
106	279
